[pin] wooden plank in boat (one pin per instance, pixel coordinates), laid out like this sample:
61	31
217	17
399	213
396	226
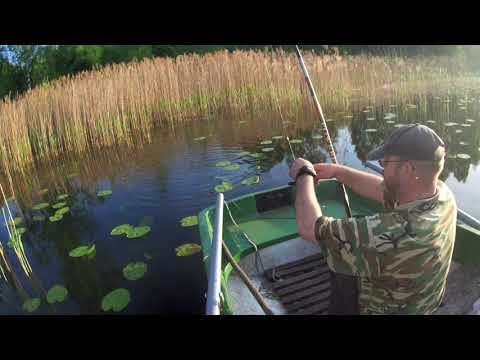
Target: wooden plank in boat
313	309
300	268
308	301
278	270
310	291
303	285
294	279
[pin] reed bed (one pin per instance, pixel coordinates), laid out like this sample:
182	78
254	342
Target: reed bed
121	104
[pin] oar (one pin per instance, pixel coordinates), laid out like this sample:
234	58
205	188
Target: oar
330	149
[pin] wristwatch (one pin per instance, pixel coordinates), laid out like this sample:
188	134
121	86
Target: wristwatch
306	170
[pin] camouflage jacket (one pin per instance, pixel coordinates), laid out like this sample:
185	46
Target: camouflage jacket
401	257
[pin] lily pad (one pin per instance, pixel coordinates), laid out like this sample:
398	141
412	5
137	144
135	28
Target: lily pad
224	187
266	142
189	221
463	143
269	149
256	155
200	138
277	137
463	156
459	131
56	217
243	153
41	206
251	180
399	125
62	197
296	141
62	211
390	122
103	193
84	250
242	122
448	124
31	305
222	163
121	229
57	293
371	130
59	205
411	106
370	118
470	120
16	221
116	300
223	178
21	230
134	270
317	137
232	167
430	121
138	231
466	125
389	116
43	191
188	249
39	217
348	116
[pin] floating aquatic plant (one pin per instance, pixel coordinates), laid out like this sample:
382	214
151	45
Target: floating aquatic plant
41	206
224	187
459	131
134	270
116	300
466	125
56	217
43	191
222	163
277	137
62	197
256	155
21	231
189	221
463	143
188	249
251	180
266	142
470	120
138	231
371	130
296	141
121	229
59	205
390	122
38	218
200	138
370	118
103	193
317	137
430	121
81	251
448	124
243	153
463	156
57	293
270	149
16	221
232	167
62	211
31	305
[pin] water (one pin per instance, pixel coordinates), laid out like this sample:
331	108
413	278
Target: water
174	177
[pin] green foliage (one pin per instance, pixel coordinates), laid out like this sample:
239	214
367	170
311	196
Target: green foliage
121	229
137	232
84	250
134	271
116	300
188	249
57	293
31	305
189	221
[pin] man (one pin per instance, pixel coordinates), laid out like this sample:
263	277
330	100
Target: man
399	259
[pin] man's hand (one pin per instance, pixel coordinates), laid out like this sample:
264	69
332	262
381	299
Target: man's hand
297	165
325	171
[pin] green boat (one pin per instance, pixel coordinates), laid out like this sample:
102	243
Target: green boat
260	232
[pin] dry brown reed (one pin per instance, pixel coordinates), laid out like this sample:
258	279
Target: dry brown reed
120	104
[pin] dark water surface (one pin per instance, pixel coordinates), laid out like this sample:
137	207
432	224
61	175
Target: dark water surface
174	177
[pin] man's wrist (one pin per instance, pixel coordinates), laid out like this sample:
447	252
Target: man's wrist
305	179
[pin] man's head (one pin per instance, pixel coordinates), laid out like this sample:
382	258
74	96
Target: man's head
412	158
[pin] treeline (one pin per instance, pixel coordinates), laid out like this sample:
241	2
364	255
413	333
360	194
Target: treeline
25	66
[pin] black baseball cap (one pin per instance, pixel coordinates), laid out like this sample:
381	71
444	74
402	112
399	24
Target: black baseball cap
410	142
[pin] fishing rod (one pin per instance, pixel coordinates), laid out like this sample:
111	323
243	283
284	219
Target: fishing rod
326	134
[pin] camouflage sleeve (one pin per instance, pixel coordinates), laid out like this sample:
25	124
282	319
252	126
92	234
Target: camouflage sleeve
349	246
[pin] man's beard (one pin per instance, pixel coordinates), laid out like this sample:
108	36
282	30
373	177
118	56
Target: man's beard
390	197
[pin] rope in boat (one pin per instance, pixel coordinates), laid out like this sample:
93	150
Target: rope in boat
258	258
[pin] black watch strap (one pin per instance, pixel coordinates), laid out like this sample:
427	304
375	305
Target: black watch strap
306	170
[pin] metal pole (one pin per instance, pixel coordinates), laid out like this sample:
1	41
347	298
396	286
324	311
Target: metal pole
215	269
461	215
326	134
